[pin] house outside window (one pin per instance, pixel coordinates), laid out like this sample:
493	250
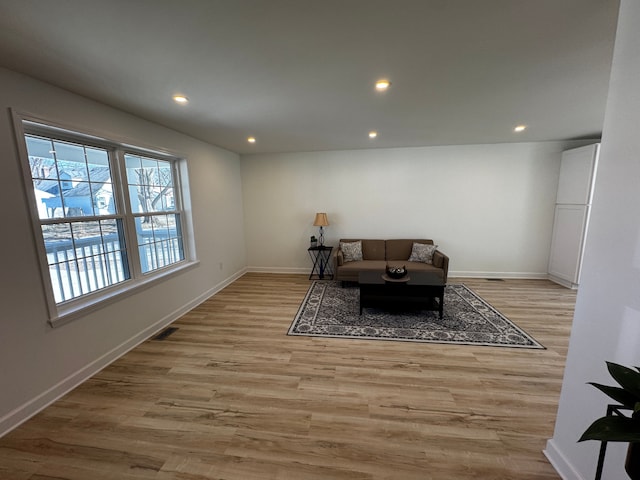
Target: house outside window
107	218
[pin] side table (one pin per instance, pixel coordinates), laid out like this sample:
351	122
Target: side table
321	258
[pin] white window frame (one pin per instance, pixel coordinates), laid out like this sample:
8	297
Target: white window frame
61	313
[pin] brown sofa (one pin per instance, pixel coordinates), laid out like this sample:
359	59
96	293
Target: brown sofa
376	254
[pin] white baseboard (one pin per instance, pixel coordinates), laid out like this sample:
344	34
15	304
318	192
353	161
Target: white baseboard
563	282
291	270
24	412
514	275
560	463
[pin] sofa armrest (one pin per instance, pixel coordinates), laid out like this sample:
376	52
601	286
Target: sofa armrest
440	260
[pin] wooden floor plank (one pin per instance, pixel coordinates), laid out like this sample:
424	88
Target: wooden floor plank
230	396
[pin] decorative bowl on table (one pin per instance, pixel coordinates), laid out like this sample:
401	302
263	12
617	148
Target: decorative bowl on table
396	273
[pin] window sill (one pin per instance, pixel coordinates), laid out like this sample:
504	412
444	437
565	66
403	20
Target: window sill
92	303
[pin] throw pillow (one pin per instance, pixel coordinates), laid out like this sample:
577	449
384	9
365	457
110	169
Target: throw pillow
421	252
352	251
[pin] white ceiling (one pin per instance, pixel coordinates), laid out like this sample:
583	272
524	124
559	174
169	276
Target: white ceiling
299	74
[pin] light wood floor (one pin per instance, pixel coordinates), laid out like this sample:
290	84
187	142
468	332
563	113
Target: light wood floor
231	396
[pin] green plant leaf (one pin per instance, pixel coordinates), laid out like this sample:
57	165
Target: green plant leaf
620	395
613	429
627	378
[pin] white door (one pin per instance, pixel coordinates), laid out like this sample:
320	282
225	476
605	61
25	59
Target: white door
567	244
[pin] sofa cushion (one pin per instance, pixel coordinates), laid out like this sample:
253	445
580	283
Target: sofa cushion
364	265
400	249
351	251
424	267
422	253
371	249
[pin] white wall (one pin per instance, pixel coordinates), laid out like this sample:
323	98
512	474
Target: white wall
489	207
37	363
606	324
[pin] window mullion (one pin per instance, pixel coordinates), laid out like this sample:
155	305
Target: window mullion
124	207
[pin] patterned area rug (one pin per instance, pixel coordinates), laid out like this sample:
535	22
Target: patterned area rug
329	310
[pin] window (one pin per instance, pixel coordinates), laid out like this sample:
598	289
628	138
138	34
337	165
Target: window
151	194
108	218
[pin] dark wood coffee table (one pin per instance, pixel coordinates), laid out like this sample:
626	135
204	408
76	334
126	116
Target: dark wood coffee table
420	290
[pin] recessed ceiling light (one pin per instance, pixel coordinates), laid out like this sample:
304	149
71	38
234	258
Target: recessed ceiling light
180	99
382	85
520	128
251	140
373	134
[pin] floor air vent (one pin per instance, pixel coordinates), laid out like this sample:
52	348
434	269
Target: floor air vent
495	279
165	333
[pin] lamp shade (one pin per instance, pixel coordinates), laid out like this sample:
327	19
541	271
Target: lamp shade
321	220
